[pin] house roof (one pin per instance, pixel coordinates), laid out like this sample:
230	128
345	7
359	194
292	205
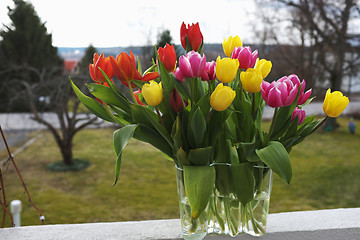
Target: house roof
70	65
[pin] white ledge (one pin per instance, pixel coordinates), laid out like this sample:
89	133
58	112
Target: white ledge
336	224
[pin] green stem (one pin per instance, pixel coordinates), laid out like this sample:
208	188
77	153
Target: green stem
108	110
132	93
159	115
272	125
218	217
321	123
209	90
193	225
209	115
253	105
228	216
252	219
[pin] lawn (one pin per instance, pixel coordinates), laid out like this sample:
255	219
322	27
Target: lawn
326	175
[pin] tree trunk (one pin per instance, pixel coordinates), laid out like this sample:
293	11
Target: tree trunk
66	150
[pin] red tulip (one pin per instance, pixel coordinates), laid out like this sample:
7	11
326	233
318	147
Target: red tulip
124	67
193	34
137	96
105	65
167	56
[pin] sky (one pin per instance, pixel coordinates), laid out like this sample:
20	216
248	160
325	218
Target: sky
111	23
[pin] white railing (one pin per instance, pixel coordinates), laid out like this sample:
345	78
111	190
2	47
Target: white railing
335	224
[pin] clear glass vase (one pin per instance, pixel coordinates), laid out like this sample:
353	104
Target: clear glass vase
227	215
191	229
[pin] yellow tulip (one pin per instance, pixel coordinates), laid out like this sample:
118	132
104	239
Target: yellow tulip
226	69
334	103
222	97
264	67
230	43
153	93
251	80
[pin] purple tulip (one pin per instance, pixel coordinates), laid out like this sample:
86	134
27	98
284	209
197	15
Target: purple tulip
304	96
245	57
192	65
299	114
280	93
209	74
178	75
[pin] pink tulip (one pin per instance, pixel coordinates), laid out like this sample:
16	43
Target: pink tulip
245	57
280	93
209	74
178	75
192	65
304	96
299	114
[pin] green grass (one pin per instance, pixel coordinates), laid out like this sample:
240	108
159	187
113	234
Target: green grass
326	169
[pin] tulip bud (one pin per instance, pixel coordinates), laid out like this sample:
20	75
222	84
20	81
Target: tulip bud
334	103
230	43
251	80
226	69
245	57
153	93
299	114
176	101
264	67
222	97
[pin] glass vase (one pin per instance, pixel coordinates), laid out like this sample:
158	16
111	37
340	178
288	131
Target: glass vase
227	215
191	229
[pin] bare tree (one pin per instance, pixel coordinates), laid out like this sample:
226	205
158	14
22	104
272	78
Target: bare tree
58	98
324	47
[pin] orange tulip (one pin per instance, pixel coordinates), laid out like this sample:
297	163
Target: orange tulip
105	65
124	67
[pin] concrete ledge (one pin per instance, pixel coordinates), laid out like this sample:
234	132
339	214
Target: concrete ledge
336	224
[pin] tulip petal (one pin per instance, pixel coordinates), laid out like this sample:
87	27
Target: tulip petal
185	67
150	76
274	98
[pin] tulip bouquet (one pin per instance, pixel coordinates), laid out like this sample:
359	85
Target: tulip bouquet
207	118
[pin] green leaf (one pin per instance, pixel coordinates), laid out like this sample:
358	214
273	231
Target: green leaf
125	102
148	134
121	138
176	133
243	182
215	123
144	115
277	158
247	149
200	156
182	159
199	182
107	95
94	106
281	122
198	127
182	89
223	180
